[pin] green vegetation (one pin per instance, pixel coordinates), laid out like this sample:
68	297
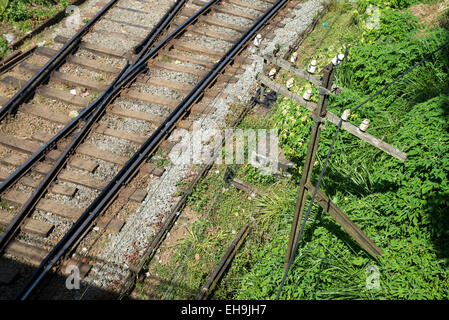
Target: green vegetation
3	47
402	207
26	13
3	205
20	16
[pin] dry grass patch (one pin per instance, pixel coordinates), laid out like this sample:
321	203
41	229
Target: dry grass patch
431	14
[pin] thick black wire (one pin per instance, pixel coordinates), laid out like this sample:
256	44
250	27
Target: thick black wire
330	152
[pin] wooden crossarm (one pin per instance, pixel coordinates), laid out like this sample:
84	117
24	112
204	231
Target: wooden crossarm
378	143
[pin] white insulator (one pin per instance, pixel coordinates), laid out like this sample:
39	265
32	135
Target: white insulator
346	114
335	60
290	83
364	125
258	40
307	95
272	72
312	67
294	57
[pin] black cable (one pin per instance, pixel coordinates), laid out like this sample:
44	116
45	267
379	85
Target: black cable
330	152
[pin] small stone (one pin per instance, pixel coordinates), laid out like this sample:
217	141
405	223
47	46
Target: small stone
96	228
73	114
73	91
8	37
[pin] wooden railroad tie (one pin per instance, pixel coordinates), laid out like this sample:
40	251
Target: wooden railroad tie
320	116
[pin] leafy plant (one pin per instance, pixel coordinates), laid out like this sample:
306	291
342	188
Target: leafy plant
253	174
24	14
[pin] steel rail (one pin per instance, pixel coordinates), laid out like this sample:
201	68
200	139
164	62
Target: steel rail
149	147
138	66
47	147
9	58
12	60
38	155
93	112
32	201
48	23
28	89
174	213
157	30
215	277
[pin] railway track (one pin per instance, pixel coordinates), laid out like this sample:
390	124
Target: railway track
77	133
